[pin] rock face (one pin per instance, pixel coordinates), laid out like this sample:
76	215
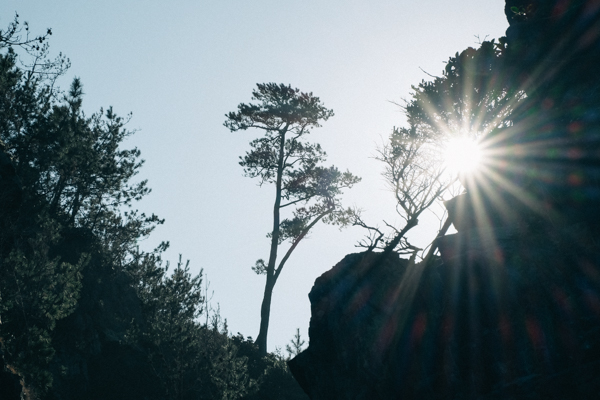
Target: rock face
350	312
499	319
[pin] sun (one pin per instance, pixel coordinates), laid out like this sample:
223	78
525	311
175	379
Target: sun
462	154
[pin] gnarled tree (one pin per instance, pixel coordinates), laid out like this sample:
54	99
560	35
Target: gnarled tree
471	100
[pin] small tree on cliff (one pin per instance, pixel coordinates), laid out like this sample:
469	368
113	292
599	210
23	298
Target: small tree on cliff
283	158
473	99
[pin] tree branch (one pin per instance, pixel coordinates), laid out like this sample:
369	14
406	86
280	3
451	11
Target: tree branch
296	241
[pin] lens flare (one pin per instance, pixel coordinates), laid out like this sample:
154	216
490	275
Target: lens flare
462	154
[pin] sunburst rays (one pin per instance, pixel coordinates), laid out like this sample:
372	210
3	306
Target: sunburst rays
462	154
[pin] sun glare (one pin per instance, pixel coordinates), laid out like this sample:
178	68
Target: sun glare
462	154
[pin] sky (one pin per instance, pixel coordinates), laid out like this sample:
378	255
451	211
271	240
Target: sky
180	66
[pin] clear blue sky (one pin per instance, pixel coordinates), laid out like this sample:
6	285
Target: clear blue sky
179	66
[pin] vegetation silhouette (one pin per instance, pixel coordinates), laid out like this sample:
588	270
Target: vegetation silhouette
84	313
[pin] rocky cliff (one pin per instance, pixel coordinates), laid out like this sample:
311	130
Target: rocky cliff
512	308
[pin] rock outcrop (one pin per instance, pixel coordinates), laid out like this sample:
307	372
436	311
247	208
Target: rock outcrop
498	319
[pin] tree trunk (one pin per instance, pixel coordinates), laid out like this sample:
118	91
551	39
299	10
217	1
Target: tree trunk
265	309
434	244
265	313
